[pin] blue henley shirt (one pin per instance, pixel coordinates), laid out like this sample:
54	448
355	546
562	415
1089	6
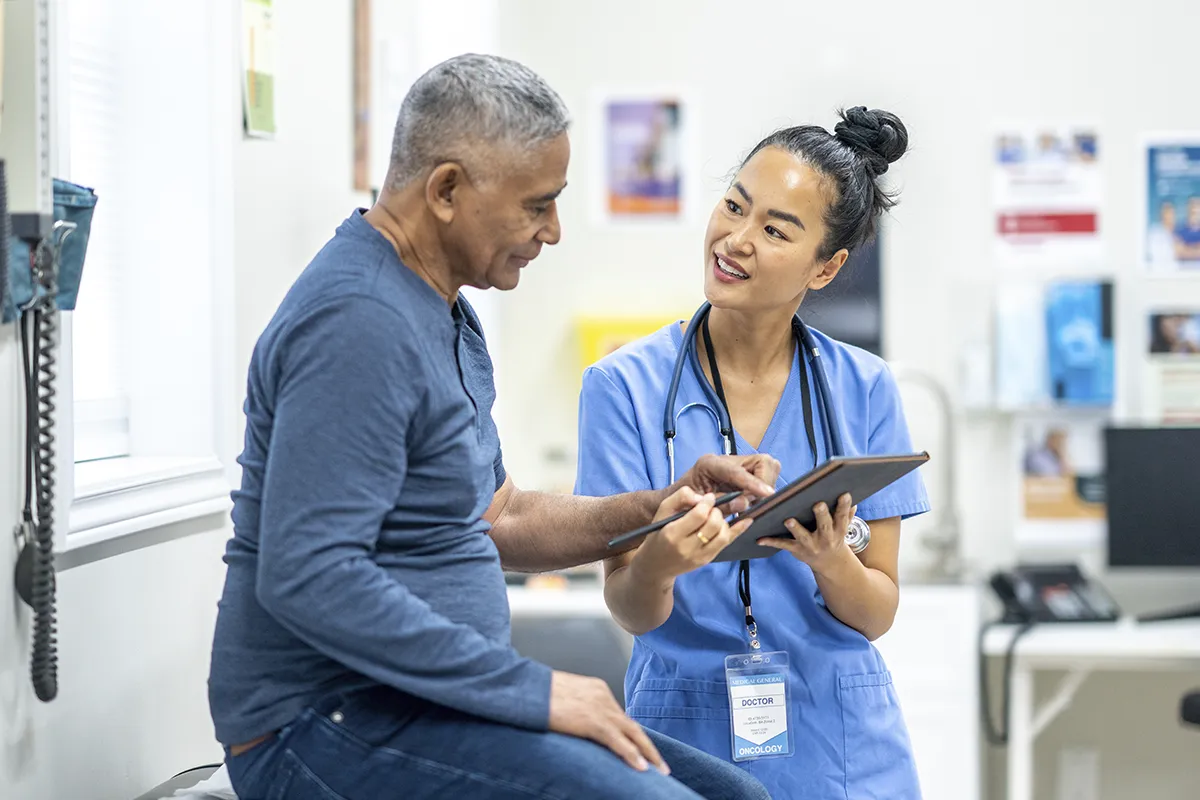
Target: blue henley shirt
359	555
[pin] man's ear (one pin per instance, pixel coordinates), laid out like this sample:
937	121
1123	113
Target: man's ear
829	270
442	189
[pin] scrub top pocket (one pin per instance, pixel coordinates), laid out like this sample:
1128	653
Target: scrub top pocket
692	711
878	754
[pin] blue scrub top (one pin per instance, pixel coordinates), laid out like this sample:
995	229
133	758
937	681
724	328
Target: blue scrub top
849	735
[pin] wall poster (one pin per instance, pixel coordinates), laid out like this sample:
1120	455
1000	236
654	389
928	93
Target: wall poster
642	150
258	68
1171	214
1172	383
1047	192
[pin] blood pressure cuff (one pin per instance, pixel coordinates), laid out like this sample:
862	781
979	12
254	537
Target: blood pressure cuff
72	203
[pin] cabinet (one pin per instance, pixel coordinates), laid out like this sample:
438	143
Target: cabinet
932	653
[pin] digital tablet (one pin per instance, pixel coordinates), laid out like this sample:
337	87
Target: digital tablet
860	476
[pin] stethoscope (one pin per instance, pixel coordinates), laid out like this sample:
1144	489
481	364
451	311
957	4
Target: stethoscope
859	536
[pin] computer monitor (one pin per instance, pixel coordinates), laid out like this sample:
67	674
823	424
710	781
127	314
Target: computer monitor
1152	488
851	308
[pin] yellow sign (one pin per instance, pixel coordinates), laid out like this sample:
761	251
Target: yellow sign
599	336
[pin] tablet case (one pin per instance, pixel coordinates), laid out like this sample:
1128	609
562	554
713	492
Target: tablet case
860	476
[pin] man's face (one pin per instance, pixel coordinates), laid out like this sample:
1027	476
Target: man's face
1167	216
502	221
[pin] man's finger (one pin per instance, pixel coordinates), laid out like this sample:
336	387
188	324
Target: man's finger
619	743
641	741
766	468
733	473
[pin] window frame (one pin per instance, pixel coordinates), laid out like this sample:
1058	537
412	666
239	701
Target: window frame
107	506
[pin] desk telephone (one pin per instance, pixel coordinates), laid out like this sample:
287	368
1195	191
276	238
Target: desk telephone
1052	593
1033	594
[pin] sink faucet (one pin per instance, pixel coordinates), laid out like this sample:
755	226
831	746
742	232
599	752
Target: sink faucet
944	540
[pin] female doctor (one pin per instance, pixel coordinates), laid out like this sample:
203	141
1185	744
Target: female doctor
748	378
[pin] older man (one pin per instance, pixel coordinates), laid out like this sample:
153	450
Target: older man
362	644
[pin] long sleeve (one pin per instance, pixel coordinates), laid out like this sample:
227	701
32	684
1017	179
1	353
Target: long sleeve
349	386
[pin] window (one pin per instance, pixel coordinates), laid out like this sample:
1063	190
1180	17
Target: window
93	125
144	115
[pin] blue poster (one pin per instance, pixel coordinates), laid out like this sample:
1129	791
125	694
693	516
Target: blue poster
1172	241
1080	342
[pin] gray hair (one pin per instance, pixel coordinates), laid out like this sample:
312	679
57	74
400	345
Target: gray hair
468	100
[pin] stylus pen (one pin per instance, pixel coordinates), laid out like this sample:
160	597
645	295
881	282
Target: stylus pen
662	523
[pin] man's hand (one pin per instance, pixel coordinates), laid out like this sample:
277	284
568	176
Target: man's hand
755	475
585	707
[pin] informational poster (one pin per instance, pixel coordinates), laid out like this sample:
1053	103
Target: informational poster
1175	333
1055	344
1047	191
645	174
1172	381
258	68
1062	469
1173	391
1171	216
644	144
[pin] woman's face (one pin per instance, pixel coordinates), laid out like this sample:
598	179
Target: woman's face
761	246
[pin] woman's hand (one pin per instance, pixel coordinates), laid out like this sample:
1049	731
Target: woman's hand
690	541
825	544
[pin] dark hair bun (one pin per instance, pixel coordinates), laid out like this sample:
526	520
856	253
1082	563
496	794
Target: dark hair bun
877	136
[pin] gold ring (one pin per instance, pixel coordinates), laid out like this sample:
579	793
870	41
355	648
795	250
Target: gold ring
700	536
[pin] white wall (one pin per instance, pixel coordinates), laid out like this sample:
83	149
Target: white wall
951	71
135	630
293	191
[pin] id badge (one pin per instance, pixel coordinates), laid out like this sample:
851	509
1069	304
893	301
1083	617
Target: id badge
758	705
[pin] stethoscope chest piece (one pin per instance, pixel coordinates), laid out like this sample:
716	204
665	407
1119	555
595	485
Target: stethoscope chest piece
858	536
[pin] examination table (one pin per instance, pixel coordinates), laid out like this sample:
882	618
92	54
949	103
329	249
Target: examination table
583	643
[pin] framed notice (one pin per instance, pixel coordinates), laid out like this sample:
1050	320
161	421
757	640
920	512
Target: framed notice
643	147
258	68
1170	213
1047	194
1171	384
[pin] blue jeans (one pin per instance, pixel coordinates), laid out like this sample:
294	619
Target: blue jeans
379	744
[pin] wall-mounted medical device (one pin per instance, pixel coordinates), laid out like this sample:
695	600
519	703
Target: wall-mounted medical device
41	263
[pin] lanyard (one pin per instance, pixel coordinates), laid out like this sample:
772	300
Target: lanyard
810	430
